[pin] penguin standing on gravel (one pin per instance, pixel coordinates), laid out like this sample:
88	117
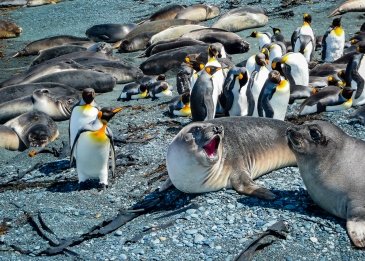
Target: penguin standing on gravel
94	144
277	35
263	37
237	97
355	74
274	98
303	39
333	42
82	113
195	62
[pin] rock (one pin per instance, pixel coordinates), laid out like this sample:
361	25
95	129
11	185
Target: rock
313	239
198	239
118	233
123	257
191	231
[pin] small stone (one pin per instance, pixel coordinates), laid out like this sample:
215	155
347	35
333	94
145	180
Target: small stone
313	239
230	206
123	257
163	238
118	233
218	247
156	241
194	216
139	251
191	231
198	239
190	211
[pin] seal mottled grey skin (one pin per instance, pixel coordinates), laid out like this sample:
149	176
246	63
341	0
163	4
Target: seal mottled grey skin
242	18
31	129
9	29
168	12
332	167
228	153
81	79
34	47
20	90
56	51
198	12
56	102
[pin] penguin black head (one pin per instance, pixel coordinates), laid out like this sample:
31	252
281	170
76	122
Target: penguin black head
143	88
362	28
341	74
242	76
361	47
161	77
266	52
260	59
214	50
276	30
212	69
185	98
164	86
307	18
253	34
275	76
195	61
88	95
336	22
106	113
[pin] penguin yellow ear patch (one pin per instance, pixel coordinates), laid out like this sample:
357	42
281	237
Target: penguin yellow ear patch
187	59
240	76
208	70
201	66
285	58
100	113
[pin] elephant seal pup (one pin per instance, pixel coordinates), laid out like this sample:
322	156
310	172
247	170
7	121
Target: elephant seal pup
34	47
199	12
332	167
9	29
349	6
228	153
109	33
31	129
242	18
168	12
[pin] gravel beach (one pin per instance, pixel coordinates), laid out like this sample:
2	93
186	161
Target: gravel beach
210	226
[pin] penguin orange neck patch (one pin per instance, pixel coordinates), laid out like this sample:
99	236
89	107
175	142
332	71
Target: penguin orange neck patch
86	107
338	31
100	135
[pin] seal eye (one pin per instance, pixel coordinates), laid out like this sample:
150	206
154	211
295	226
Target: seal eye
315	134
44	91
70	101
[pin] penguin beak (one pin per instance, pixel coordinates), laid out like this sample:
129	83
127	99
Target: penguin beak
116	110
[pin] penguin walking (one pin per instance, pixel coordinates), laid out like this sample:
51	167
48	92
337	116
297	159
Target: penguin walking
333	42
355	74
180	105
83	112
331	98
303	39
263	37
237	97
274	98
94	144
258	78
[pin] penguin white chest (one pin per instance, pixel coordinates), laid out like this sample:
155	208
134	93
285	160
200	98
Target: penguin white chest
279	102
335	45
81	115
92	155
240	103
361	71
218	81
259	82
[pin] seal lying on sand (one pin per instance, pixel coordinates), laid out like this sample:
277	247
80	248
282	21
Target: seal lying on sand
9	29
228	153
349	6
332	167
31	129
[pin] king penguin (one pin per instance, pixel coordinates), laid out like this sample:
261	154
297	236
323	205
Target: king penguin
94	144
237	97
180	105
263	37
277	35
134	91
303	39
355	74
333	42
82	113
196	63
274	98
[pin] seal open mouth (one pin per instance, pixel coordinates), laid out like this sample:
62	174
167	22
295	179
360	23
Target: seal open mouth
211	147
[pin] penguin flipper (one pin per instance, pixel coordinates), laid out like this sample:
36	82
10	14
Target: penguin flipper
251	101
87	127
109	134
294	37
360	82
324	43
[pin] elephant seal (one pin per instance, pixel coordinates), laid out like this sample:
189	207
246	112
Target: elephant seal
109	33
228	153
56	102
32	3
174	32
232	42
331	165
349	6
242	18
34	47
9	29
20	90
168	12
31	129
50	53
198	12
138	38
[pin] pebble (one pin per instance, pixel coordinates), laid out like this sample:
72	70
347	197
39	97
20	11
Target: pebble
123	257
198	239
313	239
118	233
191	231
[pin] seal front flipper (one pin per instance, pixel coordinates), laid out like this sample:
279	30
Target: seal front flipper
356	223
243	184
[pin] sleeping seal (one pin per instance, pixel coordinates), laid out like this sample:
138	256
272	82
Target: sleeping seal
349	6
31	129
332	167
228	153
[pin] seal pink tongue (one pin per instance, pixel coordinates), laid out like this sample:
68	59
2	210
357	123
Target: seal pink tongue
210	148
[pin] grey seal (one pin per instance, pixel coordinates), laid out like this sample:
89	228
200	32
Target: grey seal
228	152
56	102
332	167
109	33
31	129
